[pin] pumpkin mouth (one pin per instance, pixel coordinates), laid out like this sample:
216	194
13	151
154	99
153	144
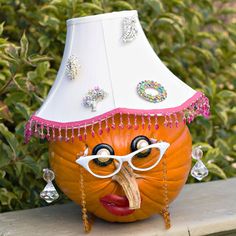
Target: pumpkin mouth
116	205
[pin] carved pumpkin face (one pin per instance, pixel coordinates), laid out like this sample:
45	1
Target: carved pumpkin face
176	163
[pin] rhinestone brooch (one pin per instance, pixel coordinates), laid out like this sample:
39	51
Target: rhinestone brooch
93	97
143	86
72	67
129	29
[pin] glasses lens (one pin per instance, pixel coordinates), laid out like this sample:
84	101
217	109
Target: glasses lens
144	162
103	166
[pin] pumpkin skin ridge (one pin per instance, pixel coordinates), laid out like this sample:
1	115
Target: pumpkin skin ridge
60	156
169	190
159	182
172	136
155	170
179	167
70	144
159	178
183	165
154	201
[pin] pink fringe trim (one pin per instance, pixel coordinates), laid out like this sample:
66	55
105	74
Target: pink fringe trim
195	106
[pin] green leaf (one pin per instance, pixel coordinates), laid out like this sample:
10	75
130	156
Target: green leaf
205	35
224	117
24	44
2	174
164	22
212	155
156	5
34	59
29	162
122	5
204	146
42	68
179	33
216	170
91	6
226	94
23	109
12	51
5	112
176	3
194	24
44	42
177	19
10	138
206	54
6	197
1	27
227	11
222	145
5	154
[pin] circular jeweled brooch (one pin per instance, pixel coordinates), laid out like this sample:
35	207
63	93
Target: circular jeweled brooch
158	95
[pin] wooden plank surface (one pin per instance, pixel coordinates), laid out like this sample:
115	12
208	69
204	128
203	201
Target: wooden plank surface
201	209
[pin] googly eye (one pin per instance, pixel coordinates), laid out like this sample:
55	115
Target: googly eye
141	142
104	150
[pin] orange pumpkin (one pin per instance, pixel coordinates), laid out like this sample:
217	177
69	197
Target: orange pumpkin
177	159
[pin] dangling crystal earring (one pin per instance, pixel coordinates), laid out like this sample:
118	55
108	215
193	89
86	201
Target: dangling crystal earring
49	193
199	170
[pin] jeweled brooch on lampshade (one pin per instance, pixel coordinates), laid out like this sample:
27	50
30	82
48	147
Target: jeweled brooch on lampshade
119	145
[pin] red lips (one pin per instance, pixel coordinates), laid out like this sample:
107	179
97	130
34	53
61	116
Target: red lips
117	205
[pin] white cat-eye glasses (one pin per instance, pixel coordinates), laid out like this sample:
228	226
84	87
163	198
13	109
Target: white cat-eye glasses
112	163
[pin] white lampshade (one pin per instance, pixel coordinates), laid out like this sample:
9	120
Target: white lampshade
117	67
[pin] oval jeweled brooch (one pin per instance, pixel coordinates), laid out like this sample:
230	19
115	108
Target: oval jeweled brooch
158	95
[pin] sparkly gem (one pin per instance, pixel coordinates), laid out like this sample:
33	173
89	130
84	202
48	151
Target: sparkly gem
93	97
48	175
130	30
199	170
197	153
72	67
49	193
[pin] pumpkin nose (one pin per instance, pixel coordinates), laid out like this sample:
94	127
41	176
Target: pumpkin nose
126	178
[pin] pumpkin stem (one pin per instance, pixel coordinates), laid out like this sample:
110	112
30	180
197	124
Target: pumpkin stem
126	178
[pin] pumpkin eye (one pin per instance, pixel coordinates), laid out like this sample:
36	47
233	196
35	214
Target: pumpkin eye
103	149
140	142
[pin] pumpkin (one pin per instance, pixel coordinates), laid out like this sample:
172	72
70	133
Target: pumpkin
151	184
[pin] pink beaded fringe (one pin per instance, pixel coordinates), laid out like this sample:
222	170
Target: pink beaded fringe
52	131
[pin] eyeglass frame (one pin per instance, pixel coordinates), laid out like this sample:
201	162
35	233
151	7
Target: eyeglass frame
84	160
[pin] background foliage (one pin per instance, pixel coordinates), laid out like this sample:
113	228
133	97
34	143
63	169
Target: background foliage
196	40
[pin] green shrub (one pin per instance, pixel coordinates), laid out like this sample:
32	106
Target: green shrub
195	39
